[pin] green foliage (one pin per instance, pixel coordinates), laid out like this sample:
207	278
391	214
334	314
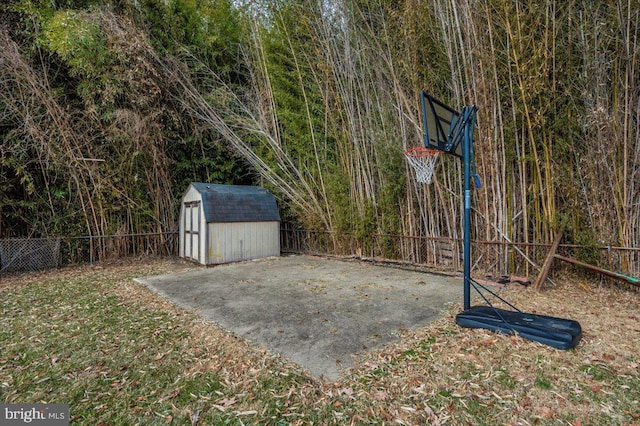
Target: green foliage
584	235
288	50
337	184
79	42
196	159
334	85
140	147
17	186
392	190
365	226
209	30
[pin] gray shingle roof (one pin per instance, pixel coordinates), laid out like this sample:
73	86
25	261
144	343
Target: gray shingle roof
237	203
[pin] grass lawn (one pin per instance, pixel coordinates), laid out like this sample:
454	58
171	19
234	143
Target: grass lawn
118	354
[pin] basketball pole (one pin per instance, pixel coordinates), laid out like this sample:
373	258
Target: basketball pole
467	146
457	139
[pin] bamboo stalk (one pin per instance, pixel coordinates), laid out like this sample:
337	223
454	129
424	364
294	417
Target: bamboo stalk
630	280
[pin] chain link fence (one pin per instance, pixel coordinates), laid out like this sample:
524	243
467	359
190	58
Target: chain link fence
33	254
108	247
29	254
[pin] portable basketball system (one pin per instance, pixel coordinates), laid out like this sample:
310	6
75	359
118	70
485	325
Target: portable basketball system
449	131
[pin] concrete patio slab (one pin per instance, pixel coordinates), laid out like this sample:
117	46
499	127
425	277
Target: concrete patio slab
314	311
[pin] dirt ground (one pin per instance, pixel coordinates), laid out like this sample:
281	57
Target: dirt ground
316	312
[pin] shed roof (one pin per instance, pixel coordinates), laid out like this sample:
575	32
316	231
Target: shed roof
237	203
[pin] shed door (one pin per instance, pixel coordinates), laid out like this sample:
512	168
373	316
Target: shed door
192	230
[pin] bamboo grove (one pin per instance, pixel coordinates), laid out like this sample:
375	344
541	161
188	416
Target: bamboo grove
108	110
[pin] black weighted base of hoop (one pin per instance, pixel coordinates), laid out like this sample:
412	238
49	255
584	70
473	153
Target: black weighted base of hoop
558	333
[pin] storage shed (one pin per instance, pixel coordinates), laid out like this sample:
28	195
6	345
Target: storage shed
228	223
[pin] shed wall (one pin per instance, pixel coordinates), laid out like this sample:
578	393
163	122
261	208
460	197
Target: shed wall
236	241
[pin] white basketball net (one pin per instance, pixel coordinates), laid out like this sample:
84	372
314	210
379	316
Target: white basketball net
423	161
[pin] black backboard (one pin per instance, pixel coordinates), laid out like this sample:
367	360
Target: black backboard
443	126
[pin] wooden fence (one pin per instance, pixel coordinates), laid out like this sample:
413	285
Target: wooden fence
489	257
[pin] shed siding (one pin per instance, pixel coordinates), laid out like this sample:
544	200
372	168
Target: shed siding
235	241
228	223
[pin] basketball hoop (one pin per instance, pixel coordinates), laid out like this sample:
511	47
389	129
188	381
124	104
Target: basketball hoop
423	161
